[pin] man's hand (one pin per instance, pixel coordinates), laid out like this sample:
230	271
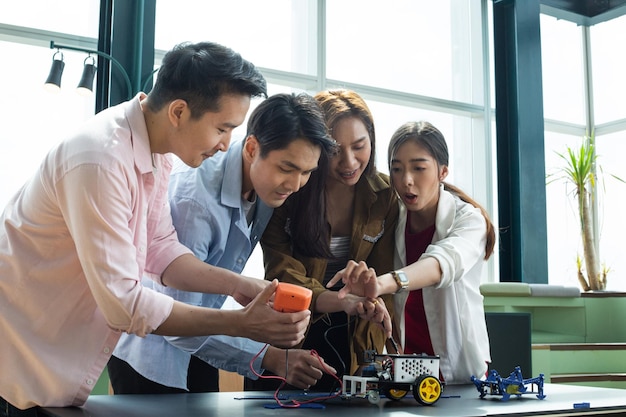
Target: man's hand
358	279
262	323
300	367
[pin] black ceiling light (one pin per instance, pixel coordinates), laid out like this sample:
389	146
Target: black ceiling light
53	82
85	85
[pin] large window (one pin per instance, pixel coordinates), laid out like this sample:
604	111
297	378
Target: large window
609	84
609	90
410	59
375	48
272	34
563	70
73	17
583	93
32	120
419	47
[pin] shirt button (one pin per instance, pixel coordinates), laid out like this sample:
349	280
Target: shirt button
107	350
89	381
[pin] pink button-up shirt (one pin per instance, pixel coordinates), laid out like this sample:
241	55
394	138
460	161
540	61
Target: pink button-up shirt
74	244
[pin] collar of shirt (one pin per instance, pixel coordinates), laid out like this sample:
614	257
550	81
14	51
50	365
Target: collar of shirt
140	139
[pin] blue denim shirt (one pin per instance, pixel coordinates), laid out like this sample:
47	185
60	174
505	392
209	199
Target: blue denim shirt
207	212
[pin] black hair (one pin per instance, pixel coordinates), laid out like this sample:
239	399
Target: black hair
201	74
432	140
278	121
283	118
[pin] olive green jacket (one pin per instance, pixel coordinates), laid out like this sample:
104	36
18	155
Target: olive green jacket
372	241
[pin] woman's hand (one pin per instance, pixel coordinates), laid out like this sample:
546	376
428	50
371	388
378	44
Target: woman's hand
372	309
358	279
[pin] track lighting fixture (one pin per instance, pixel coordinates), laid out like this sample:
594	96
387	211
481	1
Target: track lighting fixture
89	71
53	82
85	85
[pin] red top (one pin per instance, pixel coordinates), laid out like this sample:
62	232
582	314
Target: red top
417	337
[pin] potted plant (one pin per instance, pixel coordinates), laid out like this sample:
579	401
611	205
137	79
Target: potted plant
579	170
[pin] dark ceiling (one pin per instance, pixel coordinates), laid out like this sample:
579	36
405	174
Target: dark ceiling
584	12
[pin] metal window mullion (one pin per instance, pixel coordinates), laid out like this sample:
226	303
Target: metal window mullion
590	126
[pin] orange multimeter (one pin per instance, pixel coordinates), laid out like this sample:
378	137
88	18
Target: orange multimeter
290	298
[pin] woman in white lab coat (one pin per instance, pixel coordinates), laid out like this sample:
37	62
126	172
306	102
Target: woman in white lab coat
443	239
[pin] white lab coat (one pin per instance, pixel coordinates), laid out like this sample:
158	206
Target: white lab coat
454	307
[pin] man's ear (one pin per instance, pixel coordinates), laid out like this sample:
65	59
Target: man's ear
176	111
251	148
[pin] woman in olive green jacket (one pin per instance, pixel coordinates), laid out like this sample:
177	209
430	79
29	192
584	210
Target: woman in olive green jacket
359	222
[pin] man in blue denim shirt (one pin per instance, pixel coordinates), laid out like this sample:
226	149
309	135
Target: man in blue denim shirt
220	211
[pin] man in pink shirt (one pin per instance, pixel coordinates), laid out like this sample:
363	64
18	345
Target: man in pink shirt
77	238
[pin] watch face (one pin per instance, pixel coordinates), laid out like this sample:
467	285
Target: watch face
401	280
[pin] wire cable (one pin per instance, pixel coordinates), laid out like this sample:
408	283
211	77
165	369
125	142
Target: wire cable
294	403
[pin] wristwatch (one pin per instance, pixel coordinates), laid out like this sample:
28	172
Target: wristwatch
401	280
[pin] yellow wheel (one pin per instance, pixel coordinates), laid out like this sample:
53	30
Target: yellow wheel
395	393
427	390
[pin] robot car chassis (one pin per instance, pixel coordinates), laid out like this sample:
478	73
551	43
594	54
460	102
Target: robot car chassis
394	376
